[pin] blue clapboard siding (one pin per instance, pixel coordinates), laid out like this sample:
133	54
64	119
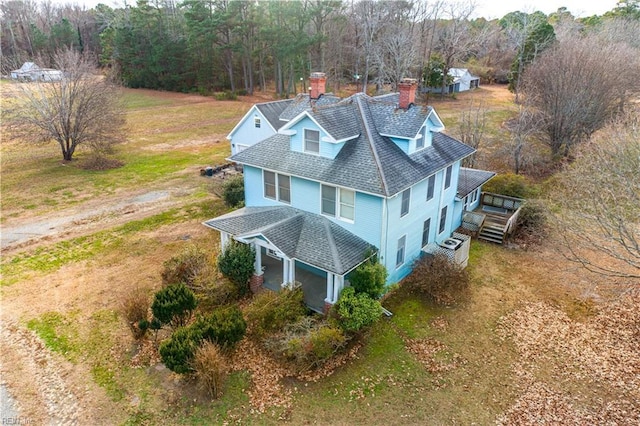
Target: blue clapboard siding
411	224
247	134
305	195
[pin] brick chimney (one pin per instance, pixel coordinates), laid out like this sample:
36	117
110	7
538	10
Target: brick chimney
407	87
317	80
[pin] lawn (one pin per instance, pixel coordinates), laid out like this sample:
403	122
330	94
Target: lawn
425	365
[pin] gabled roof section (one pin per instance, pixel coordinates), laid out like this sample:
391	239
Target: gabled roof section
338	120
370	162
402	123
470	179
272	111
302	102
308	237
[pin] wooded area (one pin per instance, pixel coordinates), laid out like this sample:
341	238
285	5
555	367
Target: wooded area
239	46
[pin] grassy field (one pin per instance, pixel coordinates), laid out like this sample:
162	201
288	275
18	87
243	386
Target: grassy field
68	292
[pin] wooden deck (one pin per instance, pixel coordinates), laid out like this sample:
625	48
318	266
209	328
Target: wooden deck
495	218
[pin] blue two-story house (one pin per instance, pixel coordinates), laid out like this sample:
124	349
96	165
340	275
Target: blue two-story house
336	180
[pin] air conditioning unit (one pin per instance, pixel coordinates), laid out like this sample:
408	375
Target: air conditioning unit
451	243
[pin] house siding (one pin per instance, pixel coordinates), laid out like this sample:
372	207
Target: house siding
247	134
327	149
305	195
412	224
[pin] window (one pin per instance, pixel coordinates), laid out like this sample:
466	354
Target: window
269	185
443	219
344	209
284	188
347	204
406	199
421	138
425	232
312	141
328	200
280	191
431	184
400	253
447	178
256	122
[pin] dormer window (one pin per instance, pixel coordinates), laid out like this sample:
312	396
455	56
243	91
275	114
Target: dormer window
256	122
311	141
420	142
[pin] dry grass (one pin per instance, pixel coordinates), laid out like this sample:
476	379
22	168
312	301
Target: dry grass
475	363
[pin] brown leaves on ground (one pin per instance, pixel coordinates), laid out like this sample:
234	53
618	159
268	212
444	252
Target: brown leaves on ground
267	374
596	363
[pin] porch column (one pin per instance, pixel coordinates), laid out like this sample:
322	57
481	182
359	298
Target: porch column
329	298
292	271
338	285
286	271
224	239
257	265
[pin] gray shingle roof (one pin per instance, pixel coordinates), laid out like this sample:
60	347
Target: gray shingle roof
369	163
398	122
308	237
471	179
302	102
272	111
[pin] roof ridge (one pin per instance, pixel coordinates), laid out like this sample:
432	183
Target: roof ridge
332	246
369	137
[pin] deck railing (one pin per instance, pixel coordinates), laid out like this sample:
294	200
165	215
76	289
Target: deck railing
510	207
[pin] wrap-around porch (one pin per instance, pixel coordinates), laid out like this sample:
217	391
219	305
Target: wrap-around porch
319	287
294	247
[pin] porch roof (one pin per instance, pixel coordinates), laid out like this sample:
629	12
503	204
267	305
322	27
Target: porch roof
307	237
470	179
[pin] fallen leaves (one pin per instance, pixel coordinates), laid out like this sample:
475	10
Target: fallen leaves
602	354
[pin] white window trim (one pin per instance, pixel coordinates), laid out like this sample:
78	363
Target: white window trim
257	122
277	185
401	202
264	185
446	213
424	244
422	138
304	141
450	167
433	195
404	251
338	214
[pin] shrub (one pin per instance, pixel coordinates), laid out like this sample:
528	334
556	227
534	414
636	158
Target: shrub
211	368
270	311
356	311
186	267
236	263
438	279
532	220
325	342
233	191
511	185
369	278
217	292
307	343
177	351
225	326
135	309
174	305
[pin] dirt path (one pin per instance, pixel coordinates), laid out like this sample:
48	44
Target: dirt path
27	359
91	216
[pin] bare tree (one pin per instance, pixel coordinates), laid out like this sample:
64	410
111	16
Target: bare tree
577	85
473	121
524	128
454	36
80	108
599	202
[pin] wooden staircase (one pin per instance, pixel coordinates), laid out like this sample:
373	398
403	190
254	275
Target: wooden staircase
493	229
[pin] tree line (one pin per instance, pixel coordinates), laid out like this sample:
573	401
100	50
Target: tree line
243	46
